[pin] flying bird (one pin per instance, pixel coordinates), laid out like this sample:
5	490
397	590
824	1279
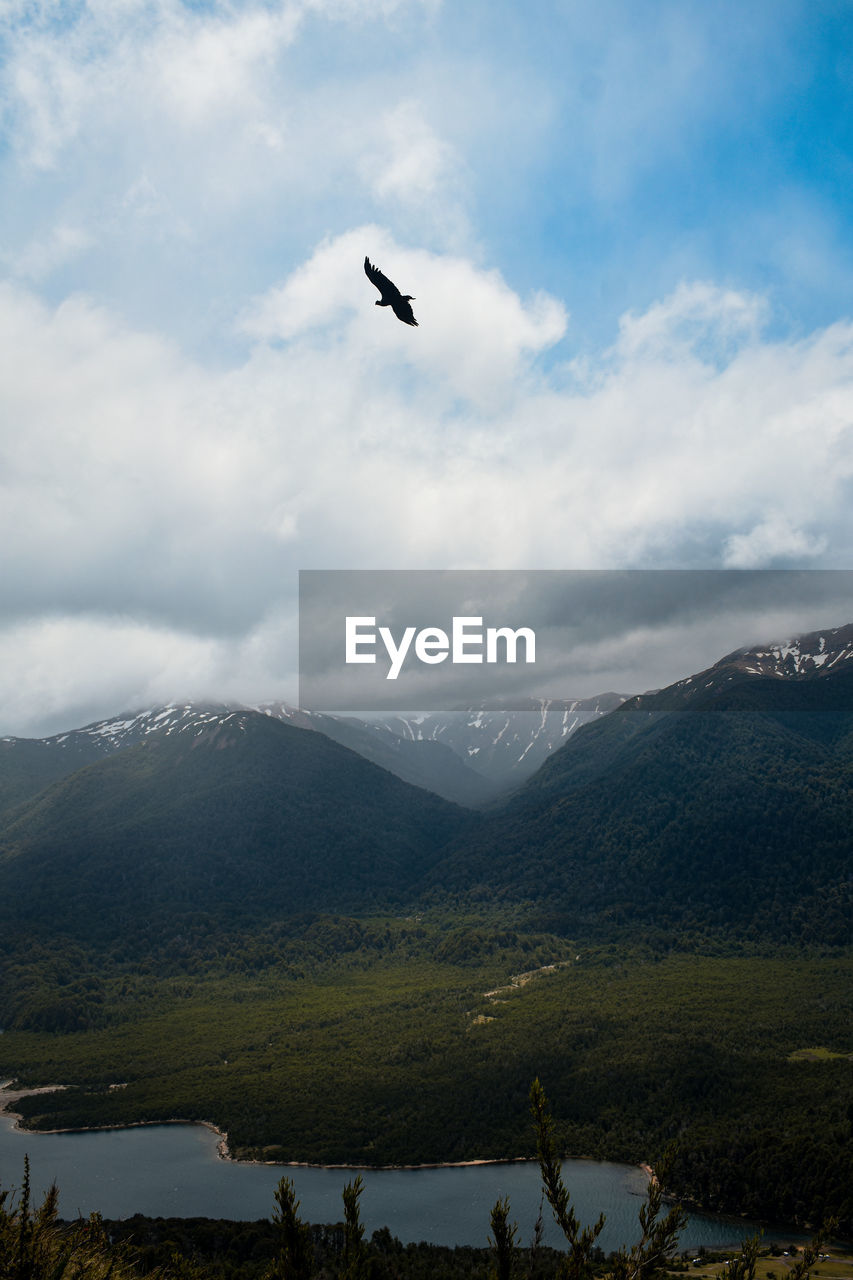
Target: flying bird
391	295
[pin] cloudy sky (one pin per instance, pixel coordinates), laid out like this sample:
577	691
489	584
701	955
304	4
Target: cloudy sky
627	226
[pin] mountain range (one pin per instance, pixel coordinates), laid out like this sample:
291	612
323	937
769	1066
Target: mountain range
722	801
503	745
469	757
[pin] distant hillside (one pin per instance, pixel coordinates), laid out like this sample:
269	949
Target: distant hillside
504	745
420	761
724	801
244	819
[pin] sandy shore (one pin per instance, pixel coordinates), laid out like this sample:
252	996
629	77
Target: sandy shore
8	1095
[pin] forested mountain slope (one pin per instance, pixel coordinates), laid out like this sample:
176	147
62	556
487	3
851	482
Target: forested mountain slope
244	820
724	801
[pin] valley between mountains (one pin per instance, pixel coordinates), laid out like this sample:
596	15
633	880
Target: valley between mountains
307	930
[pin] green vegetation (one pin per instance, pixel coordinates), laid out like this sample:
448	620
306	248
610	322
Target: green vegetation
365	1041
35	1246
248	822
819	1054
658	1241
730	816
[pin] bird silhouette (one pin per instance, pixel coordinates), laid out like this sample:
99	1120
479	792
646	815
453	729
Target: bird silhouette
391	295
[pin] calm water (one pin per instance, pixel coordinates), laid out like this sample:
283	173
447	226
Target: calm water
173	1170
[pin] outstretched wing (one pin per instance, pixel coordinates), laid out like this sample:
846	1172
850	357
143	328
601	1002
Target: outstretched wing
402	309
389	291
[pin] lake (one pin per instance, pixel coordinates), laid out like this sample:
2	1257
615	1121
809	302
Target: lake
173	1170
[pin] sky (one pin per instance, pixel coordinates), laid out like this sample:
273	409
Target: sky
627	227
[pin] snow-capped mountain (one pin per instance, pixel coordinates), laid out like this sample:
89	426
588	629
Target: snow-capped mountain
807	656
508	745
502	746
724	800
125	730
26	762
468	756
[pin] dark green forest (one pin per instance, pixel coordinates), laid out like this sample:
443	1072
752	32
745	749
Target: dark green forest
730	814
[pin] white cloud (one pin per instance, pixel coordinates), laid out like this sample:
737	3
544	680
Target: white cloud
165	469
60	667
166	507
697	316
364	10
475	335
134	63
200	149
139	59
47	90
63	672
416	159
205	70
413	167
770	541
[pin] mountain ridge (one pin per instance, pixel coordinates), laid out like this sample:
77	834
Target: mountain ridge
422	759
723	800
245	818
652	814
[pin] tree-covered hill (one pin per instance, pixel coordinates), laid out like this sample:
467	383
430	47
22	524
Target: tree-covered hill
28	765
246	820
726	806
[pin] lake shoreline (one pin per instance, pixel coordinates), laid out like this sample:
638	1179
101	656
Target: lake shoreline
223	1155
9	1096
